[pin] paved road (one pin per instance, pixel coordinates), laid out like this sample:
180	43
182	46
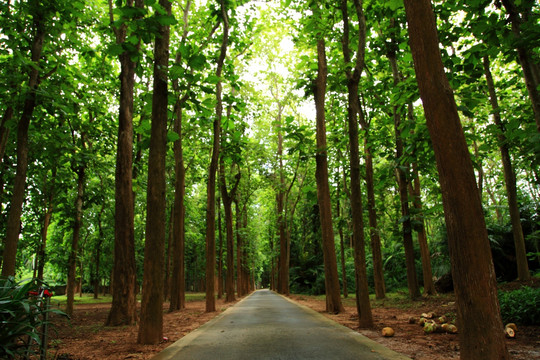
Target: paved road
268	326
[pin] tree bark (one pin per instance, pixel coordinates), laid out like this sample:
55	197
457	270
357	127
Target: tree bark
151	321
72	260
429	286
13	226
178	281
509	179
227	206
472	267
401	175
124	282
283	268
378	272
333	295
211	186
220	252
363	305
342	250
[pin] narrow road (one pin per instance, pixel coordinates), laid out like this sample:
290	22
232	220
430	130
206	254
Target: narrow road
268	326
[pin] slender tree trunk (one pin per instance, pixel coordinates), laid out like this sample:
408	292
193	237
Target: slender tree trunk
211	188
98	248
474	278
333	294
151	321
72	260
239	274
124	280
342	250
531	72
227	206
510	179
363	305
46	222
412	280
169	248
283	272
13	226
429	286
378	273
220	251
480	169
178	281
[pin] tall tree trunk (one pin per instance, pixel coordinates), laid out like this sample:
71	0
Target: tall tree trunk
178	281
211	187
342	249
239	274
283	268
429	286
124	280
474	278
73	254
169	248
401	175
509	179
13	227
220	252
46	222
98	247
378	273
333	294
363	305
151	321
531	73
227	206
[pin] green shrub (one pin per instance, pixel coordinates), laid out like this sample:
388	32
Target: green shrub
21	318
520	306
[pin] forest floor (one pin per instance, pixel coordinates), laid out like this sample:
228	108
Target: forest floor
85	337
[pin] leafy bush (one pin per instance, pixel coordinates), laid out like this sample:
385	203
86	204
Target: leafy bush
21	318
520	306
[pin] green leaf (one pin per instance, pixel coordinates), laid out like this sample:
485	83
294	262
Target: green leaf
197	62
172	136
394	4
166	20
116	49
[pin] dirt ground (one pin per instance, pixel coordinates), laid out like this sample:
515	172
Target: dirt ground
85	337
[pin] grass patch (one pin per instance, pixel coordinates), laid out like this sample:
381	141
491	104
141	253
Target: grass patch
60	300
85	299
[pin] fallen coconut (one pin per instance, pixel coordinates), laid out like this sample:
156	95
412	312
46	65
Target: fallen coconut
511	326
509	332
429	327
388	332
449	328
442	319
422	321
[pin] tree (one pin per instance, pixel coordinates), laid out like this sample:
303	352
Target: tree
333	294
151	325
228	198
211	185
124	305
353	78
509	178
402	169
472	267
40	15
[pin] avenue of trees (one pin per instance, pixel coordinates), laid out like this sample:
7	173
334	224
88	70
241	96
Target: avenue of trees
154	147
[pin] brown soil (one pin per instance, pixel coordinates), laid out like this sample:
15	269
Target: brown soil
85	337
410	340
